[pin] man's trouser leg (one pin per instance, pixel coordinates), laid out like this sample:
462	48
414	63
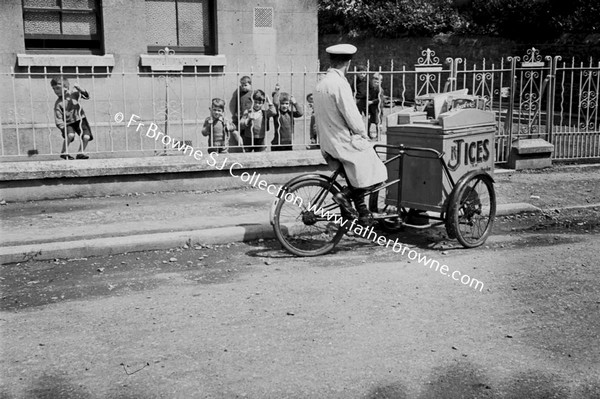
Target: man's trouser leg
364	215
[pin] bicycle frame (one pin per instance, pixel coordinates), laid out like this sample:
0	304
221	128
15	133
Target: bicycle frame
458	205
402	152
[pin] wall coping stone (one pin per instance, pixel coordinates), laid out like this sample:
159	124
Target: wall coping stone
532	146
69	60
31	170
176	62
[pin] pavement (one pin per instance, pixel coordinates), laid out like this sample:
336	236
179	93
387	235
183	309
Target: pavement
99	226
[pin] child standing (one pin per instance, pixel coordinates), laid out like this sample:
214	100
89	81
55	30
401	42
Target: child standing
218	129
255	122
314	137
241	100
373	105
69	116
358	83
287	108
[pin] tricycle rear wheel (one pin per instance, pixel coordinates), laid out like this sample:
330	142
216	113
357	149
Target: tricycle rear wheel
471	210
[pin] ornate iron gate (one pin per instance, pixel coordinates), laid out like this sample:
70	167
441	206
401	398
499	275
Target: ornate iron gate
536	97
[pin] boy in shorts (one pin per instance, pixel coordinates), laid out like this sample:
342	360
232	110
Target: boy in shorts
218	129
69	116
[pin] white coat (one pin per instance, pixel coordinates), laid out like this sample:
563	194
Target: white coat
342	132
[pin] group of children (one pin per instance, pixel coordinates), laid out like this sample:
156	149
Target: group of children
252	111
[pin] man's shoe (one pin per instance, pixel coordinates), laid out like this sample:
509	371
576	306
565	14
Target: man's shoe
66	156
365	217
82	156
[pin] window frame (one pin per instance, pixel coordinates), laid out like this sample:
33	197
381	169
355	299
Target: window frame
65	43
203	50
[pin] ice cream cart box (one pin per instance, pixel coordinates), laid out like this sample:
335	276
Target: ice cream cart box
465	135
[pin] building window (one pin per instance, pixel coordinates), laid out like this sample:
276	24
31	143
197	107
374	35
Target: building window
182	25
65	25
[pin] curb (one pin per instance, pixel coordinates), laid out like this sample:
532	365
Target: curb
133	243
155	241
515	208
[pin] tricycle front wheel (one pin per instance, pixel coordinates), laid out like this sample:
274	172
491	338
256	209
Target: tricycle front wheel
471	210
306	219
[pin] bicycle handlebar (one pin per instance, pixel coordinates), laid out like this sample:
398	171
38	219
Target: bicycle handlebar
403	148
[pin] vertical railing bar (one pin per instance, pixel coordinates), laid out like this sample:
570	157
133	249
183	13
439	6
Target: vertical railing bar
589	90
541	86
596	149
391	91
31	105
12	72
66	138
94	106
511	107
417	92
110	126
197	107
473	80
403	92
564	129
278	116
367	96
572	118
154	116
140	105
520	114
579	109
80	121
124	103
304	95
182	104
500	141
50	121
239	100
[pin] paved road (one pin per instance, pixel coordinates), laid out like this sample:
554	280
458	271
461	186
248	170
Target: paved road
248	320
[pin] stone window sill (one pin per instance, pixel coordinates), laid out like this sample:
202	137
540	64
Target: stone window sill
67	60
176	62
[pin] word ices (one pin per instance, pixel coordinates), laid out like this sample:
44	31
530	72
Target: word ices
465	153
253	179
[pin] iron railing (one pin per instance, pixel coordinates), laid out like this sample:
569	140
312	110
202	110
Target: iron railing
532	96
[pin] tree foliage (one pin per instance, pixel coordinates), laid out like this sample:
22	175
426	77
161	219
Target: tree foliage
388	18
508	18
